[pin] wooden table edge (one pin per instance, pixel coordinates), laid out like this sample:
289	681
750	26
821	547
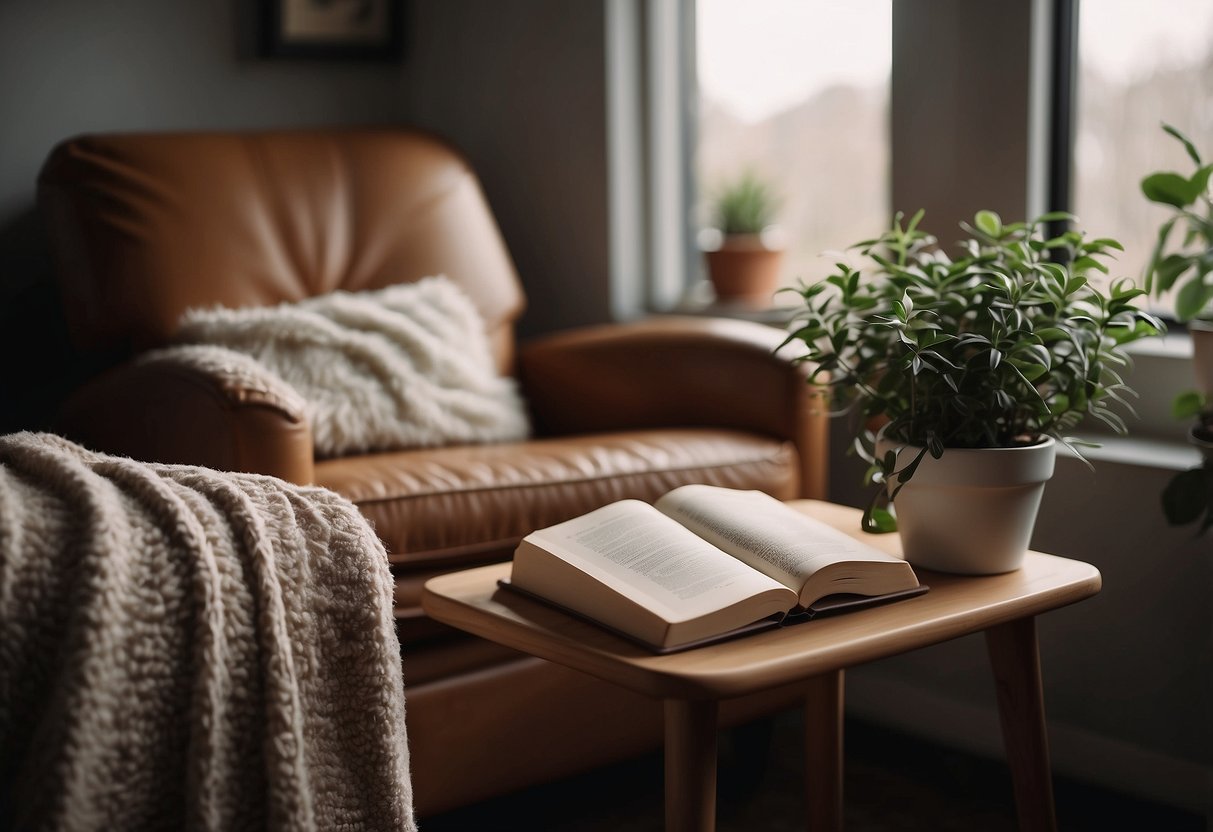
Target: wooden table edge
693	674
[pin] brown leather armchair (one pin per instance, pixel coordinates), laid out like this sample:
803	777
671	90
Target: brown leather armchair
145	226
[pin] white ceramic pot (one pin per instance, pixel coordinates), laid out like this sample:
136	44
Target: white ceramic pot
971	511
1202	355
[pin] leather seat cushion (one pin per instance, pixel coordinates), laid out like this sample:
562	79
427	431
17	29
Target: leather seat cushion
443	509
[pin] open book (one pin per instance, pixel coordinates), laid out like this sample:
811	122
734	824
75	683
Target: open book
701	564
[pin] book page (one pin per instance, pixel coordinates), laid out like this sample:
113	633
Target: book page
763	532
638	551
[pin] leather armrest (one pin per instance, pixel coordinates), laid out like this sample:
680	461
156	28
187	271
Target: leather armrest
196	406
676	372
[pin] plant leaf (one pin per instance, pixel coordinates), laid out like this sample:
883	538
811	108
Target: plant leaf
1169	269
1192	298
1188	146
1056	216
1086	262
1164	231
877	519
934	445
1107	242
1200	181
1188	405
882	521
989	223
1169	188
1183	498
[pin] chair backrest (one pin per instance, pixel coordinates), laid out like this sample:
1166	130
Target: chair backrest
144	226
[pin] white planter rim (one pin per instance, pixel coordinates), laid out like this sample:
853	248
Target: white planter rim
979	467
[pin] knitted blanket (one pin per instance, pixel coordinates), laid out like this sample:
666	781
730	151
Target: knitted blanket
187	649
403	367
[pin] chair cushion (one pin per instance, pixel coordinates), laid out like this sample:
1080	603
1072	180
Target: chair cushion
447	508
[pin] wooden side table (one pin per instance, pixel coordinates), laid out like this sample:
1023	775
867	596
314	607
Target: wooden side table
814	653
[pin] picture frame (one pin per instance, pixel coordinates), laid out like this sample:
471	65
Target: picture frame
364	30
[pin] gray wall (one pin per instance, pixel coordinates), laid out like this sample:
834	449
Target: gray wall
958	117
521	88
70	66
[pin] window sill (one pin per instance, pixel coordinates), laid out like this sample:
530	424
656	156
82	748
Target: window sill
1142	452
699	300
1174	345
1161	370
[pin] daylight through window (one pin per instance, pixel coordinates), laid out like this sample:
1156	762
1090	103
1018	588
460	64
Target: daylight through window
1140	64
797	92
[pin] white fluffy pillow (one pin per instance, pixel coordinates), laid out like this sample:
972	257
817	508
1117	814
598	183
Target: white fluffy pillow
403	367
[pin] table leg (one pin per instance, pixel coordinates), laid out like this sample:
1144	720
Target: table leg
823	751
690	765
1015	660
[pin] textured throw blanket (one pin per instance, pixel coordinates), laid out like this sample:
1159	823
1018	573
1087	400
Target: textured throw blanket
404	367
187	649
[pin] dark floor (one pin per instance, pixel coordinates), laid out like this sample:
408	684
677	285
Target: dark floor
894	783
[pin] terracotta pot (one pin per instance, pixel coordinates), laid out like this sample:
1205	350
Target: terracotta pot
1202	355
744	270
971	511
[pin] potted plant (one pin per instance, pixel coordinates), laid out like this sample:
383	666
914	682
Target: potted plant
1188	262
744	267
976	366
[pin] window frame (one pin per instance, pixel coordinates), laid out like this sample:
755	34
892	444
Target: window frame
652	102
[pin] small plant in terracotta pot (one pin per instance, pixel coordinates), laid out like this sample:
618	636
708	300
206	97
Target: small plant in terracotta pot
976	366
745	267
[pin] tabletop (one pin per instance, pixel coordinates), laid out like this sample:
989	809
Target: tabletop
955	605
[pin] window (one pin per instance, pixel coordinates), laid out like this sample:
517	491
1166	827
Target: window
798	93
1139	64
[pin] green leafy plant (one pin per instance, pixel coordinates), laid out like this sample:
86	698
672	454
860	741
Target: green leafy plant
1190	263
1012	341
1188	498
746	205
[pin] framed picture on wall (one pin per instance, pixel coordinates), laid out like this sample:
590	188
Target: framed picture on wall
349	29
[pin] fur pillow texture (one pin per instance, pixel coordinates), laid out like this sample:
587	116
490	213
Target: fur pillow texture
408	366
